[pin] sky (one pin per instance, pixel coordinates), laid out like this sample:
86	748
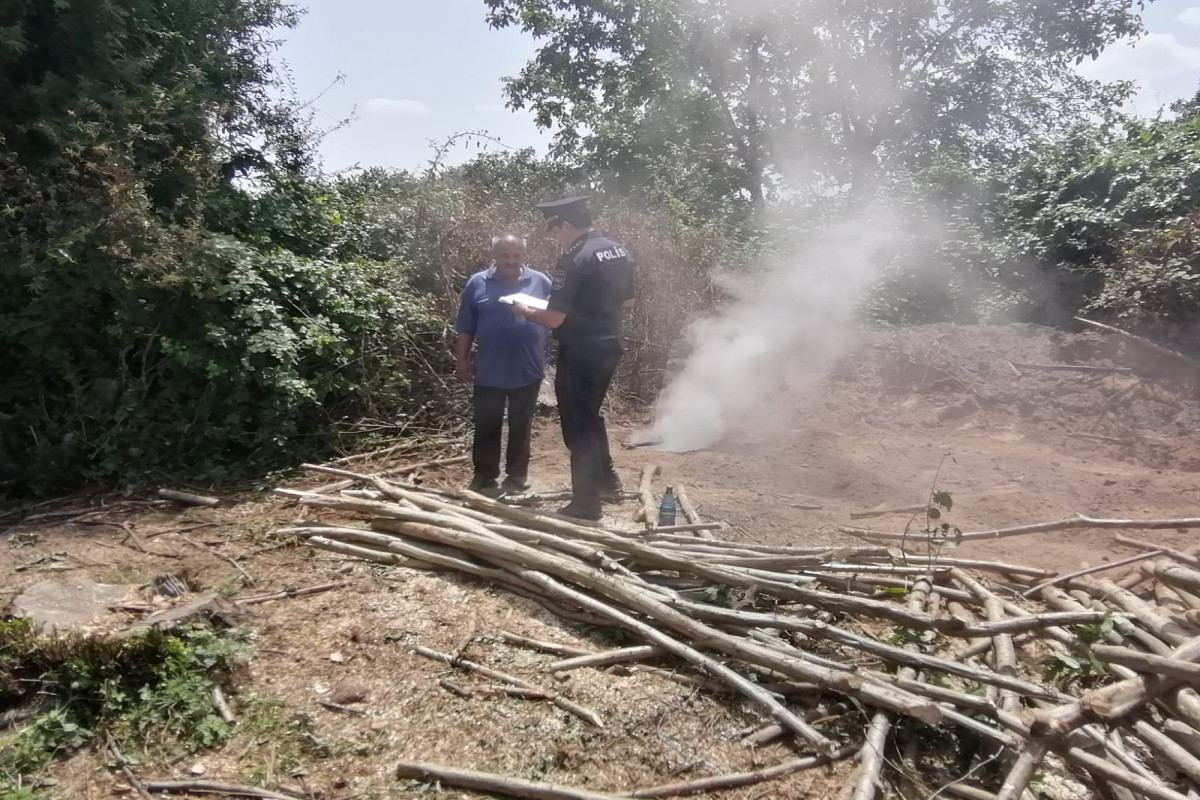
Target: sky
411	72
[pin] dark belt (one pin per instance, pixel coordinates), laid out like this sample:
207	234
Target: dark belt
590	339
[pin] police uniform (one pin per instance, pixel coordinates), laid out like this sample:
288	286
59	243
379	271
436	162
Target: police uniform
594	280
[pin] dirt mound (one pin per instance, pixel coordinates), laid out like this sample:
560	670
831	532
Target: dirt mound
1138	404
940	405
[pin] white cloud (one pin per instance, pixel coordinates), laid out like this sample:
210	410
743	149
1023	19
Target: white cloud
396	107
1190	17
489	108
1148	61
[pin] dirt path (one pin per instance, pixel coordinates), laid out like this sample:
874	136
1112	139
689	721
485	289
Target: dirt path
1012	449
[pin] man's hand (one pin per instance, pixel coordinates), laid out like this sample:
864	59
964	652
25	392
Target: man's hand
464	372
521	311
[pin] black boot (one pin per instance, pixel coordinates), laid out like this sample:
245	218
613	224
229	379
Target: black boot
586	512
610	487
484	486
514	485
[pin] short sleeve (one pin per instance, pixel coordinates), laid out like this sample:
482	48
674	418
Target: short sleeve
628	281
542	286
563	298
468	314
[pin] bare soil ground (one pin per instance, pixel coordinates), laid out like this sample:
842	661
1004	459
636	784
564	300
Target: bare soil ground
872	435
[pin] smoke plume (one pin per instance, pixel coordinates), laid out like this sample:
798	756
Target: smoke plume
786	326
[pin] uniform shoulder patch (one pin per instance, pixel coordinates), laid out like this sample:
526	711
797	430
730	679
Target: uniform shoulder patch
611	254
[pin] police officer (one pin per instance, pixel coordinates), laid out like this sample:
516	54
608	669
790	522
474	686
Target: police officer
594	280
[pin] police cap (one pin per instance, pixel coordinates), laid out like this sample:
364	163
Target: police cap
571	209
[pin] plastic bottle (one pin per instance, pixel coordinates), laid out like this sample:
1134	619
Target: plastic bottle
667	509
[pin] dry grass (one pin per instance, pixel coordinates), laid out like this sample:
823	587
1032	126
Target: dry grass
655	730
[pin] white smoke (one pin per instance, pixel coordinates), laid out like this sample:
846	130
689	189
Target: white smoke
750	366
788	322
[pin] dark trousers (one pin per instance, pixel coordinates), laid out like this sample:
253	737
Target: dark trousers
580	383
489	419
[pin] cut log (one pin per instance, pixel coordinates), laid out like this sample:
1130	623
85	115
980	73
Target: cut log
406	469
737	780
1146	614
647	512
967	792
1156	790
1178	555
1180	576
222	706
1185	704
587	715
1183	734
211	787
1092	570
1023	769
1110	702
492	784
975	564
1166	748
871	758
554	648
253	600
686	506
1078	521
189	499
692	527
622	656
1148	663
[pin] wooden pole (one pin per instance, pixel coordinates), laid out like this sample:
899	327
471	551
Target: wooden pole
1144	342
647	512
1078	521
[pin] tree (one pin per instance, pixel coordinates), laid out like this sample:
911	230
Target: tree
174	295
735	97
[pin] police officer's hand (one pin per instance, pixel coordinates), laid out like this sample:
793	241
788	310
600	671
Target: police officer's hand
520	311
464	373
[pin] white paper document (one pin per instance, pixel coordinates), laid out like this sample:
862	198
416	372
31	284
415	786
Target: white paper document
526	300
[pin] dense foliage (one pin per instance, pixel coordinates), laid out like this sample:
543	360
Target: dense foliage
720	100
181	293
1101	222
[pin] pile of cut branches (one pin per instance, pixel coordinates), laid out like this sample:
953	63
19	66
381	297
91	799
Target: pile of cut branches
1016	669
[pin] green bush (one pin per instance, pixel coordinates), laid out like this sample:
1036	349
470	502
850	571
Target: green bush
1097	218
1154	284
233	362
149	691
180	292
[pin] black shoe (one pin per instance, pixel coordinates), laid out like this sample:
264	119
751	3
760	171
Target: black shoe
484	486
580	512
513	485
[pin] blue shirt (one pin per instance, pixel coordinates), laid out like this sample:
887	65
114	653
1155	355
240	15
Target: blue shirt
509	352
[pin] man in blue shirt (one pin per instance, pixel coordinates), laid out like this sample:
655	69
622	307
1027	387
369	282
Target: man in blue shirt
510	362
